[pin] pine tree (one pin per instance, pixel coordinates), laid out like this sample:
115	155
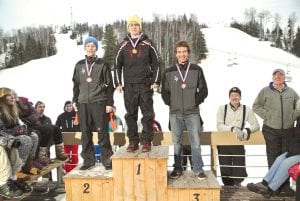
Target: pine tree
21	53
110	45
296	44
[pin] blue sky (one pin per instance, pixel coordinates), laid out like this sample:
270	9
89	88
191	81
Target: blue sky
20	13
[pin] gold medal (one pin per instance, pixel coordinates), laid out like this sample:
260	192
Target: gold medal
183	85
89	79
134	51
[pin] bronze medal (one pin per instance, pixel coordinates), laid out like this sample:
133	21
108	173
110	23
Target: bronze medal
89	79
134	51
183	85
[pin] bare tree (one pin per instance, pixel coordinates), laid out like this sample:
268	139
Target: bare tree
291	29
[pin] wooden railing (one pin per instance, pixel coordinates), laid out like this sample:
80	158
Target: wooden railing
213	139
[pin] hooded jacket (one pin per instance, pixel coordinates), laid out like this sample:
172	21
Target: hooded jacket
142	67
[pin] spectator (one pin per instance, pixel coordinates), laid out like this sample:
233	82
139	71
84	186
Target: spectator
276	105
66	123
241	120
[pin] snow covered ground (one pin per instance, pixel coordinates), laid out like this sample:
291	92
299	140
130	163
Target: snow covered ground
235	59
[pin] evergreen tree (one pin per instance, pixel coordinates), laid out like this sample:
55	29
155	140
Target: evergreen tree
110	45
14	60
21	53
296	44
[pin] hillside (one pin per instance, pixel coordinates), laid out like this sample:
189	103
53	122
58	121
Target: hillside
235	59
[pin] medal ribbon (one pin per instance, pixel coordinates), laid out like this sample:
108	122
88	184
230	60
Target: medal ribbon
136	42
186	72
89	71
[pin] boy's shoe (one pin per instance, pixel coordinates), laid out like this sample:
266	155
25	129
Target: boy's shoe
132	147
146	147
23	186
201	176
7	192
176	174
87	166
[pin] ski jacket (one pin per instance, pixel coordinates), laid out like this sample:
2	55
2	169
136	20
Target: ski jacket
45	120
234	118
101	86
187	100
277	109
65	122
141	67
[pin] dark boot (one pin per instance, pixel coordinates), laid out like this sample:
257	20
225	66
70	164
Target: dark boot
60	153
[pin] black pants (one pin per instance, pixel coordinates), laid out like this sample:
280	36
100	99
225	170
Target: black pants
228	172
45	135
139	95
93	116
277	141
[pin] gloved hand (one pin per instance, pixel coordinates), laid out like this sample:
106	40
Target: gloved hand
239	133
245	134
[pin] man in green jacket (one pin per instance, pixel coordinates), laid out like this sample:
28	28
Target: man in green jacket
276	105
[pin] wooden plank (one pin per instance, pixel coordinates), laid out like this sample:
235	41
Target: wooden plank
161	179
184	194
118	180
173	194
68	188
150	179
128	178
139	179
229	138
46	170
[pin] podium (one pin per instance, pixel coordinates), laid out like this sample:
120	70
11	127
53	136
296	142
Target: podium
139	177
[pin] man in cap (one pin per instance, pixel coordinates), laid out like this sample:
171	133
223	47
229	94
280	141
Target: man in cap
93	96
233	117
138	60
276	105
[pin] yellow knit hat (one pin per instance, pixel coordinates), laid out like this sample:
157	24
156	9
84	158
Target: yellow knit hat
135	19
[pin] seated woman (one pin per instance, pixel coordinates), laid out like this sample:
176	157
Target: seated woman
278	173
20	145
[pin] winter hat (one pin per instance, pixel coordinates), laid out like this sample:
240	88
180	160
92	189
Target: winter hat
4	91
66	103
235	90
91	39
135	19
279	70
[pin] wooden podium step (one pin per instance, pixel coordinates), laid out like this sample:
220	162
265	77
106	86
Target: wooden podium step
188	187
89	185
140	176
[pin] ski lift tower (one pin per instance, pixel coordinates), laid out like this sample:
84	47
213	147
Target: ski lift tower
288	76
